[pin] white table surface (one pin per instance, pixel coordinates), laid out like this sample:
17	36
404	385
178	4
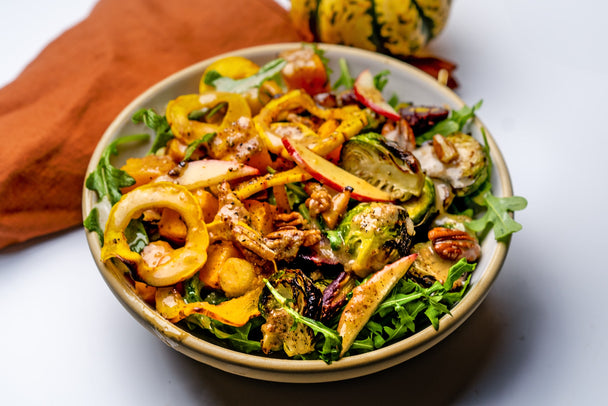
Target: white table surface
538	339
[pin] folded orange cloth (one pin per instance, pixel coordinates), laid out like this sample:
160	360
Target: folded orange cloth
53	114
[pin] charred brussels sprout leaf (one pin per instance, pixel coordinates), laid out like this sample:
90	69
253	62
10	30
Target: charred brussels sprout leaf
383	164
297	288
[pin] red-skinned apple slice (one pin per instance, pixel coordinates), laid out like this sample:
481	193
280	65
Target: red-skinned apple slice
207	172
332	175
369	95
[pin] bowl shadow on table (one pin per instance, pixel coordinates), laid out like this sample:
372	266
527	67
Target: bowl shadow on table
439	376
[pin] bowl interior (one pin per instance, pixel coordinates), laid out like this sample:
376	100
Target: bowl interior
410	84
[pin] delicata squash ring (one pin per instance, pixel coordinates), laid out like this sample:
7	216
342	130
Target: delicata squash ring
183	262
188	130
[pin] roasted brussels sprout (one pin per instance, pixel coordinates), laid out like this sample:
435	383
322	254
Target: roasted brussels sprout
421	208
466	172
279	331
436	256
374	234
383	164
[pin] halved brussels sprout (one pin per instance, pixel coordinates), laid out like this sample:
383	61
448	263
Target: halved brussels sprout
466	173
279	332
374	235
383	164
422	207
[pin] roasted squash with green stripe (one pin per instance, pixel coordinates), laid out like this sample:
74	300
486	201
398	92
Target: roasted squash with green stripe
394	27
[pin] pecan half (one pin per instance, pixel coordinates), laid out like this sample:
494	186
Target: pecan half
454	244
444	149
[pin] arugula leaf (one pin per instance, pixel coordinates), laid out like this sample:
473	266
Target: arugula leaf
91	223
455	122
106	179
226	84
393	101
157	123
321	54
136	235
498	215
381	79
346	80
237	336
332	343
193	146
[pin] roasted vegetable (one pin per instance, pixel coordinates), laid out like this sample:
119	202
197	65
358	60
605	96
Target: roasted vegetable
423	118
397	27
449	241
335	296
374	234
234	312
179	264
422	207
188	130
279	330
465	173
383	164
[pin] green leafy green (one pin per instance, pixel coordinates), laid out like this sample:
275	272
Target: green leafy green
157	123
345	80
398	315
136	235
193	146
454	123
91	223
332	343
106	179
381	79
321	54
238	337
393	101
498	215
226	84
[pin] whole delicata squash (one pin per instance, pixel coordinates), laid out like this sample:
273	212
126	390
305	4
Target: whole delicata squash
395	27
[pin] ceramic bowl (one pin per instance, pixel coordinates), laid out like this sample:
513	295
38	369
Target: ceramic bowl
411	85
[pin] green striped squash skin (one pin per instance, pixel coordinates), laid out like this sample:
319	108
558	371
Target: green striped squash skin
394	27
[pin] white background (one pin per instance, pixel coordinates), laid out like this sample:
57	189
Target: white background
540	336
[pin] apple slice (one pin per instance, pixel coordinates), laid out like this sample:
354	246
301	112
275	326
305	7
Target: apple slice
208	172
367	297
369	95
332	175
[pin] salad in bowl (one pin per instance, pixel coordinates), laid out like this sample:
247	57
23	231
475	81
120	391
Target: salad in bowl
296	204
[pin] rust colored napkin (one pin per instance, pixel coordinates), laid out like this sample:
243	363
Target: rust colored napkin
54	113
